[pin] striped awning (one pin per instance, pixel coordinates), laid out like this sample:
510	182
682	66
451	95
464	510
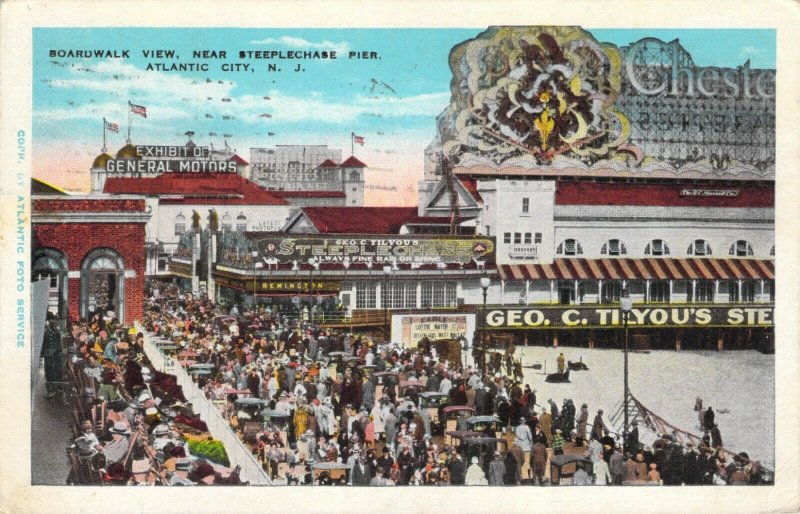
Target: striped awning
632	269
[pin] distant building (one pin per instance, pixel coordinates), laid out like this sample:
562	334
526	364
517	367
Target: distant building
297	169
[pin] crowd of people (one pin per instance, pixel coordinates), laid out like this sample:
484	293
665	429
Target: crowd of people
131	424
309	403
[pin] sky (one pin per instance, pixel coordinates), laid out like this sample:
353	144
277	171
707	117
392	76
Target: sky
392	100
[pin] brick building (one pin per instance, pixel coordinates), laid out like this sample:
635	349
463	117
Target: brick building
91	248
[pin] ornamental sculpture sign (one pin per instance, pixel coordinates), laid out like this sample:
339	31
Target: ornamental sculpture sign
607	317
399	249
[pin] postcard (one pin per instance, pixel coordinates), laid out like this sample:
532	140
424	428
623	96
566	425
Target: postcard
443	255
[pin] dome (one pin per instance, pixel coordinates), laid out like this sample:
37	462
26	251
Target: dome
127	152
101	160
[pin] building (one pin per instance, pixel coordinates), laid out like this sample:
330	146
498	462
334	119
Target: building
91	249
307	168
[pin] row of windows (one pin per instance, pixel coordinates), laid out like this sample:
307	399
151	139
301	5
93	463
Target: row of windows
702	291
403	295
658	247
226	223
522	238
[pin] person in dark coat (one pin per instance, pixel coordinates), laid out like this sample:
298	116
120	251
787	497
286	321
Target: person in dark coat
691	469
708	418
512	471
53	358
480	399
361	472
599	428
456	468
716	437
633	438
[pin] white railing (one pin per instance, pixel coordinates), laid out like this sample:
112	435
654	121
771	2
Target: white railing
238	453
523	251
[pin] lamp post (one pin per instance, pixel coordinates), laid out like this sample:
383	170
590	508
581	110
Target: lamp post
256	264
485	283
387	270
312	261
625	306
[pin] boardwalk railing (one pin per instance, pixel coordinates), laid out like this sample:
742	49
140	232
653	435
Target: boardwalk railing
238	453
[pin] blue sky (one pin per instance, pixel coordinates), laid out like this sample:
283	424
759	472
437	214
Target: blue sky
391	101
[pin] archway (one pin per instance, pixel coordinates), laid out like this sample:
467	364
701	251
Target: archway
52	264
103	284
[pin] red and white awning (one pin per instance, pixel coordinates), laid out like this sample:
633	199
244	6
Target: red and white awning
632	269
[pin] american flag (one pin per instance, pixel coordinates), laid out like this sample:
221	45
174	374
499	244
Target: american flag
139	110
358	139
113	127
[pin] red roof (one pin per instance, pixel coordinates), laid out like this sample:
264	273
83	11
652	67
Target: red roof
196	188
327	163
238	160
352	162
652	268
471	185
309	194
667	195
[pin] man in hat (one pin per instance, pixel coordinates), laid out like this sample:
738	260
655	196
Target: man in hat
497	469
599	428
524	440
558	443
117	448
633	438
616	465
87	443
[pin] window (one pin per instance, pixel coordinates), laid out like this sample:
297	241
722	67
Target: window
537	238
569	247
526	205
744	291
656	247
488	230
507	238
611	292
241	223
614	247
741	248
438	294
527	238
399	295
517	238
704	291
365	295
226	223
355	189
772	251
659	291
699	247
180	224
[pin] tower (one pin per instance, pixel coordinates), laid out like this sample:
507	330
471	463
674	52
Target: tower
353	181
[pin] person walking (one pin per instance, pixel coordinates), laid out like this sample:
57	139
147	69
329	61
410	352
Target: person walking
580	429
539	459
616	464
602	475
708	418
562	365
497	470
599	428
53	358
524	439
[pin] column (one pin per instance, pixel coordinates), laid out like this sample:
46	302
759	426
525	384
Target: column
555	339
378	295
716	291
720	341
591	339
502	292
600	291
647	290
678	341
419	294
527	297
761	296
552	285
669	300
577	296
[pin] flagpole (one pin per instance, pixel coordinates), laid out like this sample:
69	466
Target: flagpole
129	122
352	143
104	135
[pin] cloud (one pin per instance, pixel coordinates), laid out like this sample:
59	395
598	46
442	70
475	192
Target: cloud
297	42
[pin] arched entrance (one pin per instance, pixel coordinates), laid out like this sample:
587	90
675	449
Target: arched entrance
103	284
52	264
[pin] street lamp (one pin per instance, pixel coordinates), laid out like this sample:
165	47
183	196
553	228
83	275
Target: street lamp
387	270
312	261
485	283
625	306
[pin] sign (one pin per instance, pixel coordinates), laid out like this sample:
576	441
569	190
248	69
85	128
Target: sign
400	249
155	166
607	317
728	193
411	328
281	286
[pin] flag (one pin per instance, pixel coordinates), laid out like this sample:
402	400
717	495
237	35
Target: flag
212	134
209	116
113	127
227	135
270	133
138	110
358	139
189	133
